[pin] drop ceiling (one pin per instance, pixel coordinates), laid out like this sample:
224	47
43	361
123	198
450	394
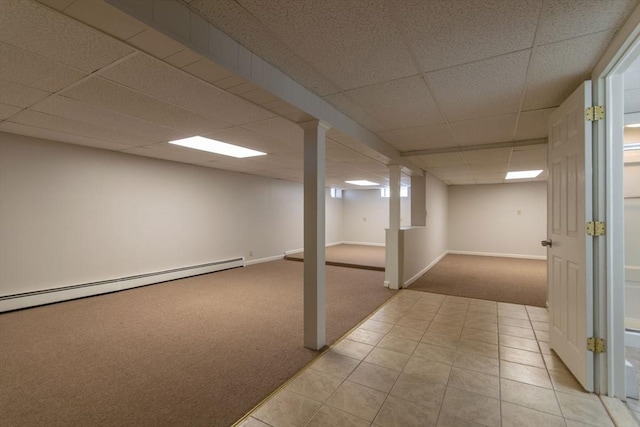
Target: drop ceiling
473	78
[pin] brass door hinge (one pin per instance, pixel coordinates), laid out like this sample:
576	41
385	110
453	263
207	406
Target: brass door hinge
595	113
595	228
596	345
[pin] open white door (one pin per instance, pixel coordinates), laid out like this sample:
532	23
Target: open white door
569	254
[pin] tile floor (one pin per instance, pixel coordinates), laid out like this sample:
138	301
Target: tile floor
433	360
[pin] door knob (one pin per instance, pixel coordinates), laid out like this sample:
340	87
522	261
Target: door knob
546	243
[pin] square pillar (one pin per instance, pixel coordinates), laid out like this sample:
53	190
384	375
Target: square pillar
314	234
392	244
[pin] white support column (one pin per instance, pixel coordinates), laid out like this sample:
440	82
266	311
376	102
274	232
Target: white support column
314	235
418	200
393	267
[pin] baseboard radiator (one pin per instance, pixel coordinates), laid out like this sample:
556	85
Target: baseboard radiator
48	296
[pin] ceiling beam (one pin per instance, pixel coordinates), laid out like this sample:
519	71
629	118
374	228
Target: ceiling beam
509	144
227	52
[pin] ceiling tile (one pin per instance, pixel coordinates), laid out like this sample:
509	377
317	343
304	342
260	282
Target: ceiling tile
40	30
420	138
529	153
173	153
399	103
489	178
350	108
440	160
533	124
248	139
19	95
527	165
286	132
19	66
446	33
163	82
155	43
57	4
557	69
53	135
7	111
183	58
484	131
91	114
106	18
111	96
346	56
340	154
491	87
207	70
489	156
453	174
493	168
566	19
74	127
233	19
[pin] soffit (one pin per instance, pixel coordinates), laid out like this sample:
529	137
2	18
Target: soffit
134	102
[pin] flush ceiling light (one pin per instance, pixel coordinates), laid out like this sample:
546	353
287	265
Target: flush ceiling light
523	174
362	182
218	147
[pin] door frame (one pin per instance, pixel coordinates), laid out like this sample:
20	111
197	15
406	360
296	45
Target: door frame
608	264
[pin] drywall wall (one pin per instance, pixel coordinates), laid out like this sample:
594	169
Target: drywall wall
333	219
424	246
71	215
437	204
498	219
366	215
632	239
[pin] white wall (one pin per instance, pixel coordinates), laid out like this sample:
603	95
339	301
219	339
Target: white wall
333	219
424	246
72	215
437	203
505	219
366	215
632	238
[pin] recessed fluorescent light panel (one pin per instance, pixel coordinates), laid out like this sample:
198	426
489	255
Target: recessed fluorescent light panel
633	125
218	147
632	147
523	174
362	182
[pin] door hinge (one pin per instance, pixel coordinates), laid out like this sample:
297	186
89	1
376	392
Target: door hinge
595	113
596	345
595	228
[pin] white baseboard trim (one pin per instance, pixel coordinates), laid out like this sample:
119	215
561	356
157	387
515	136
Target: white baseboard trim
424	270
632	339
48	296
522	256
296	251
364	244
293	251
333	244
261	260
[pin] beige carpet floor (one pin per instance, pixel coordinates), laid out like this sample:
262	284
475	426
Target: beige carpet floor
197	351
514	280
355	256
